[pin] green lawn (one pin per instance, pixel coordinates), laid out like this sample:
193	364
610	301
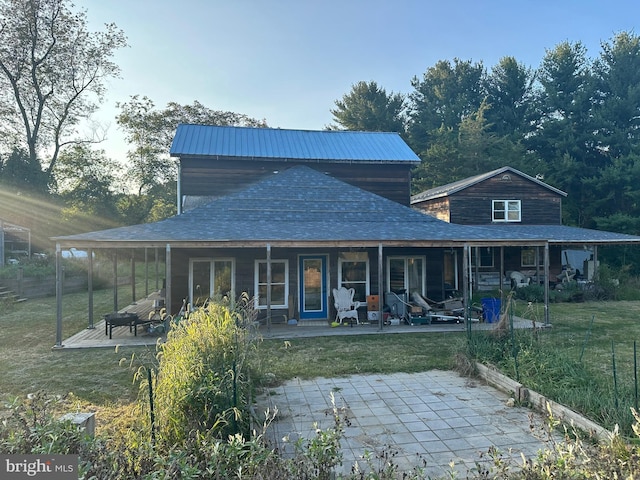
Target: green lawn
101	377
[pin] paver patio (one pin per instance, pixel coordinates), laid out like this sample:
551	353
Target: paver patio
436	416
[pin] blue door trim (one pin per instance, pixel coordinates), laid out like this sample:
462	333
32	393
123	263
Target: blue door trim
323	311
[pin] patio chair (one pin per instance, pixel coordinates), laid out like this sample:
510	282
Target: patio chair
518	280
346	307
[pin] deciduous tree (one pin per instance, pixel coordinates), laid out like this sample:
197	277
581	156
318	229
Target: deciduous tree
52	74
149	132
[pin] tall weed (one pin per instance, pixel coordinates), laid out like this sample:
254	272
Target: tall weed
202	378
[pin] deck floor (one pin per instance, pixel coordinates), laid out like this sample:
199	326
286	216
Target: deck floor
121	336
97	338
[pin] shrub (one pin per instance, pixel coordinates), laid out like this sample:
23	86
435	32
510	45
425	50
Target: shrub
202	381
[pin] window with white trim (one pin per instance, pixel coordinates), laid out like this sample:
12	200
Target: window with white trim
353	272
506	210
279	284
406	274
210	278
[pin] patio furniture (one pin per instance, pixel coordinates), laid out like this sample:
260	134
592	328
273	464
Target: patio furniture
120	319
346	307
519	280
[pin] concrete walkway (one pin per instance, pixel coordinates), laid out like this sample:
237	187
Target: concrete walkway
436	417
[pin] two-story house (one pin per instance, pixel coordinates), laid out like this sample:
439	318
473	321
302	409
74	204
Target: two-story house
288	215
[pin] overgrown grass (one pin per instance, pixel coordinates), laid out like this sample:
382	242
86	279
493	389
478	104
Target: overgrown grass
585	360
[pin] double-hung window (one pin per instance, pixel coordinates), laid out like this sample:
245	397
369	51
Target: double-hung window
279	283
353	272
506	210
528	257
482	257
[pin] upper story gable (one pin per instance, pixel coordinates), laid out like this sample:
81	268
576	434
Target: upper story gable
217	160
502	196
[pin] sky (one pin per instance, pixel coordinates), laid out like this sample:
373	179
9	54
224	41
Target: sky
288	61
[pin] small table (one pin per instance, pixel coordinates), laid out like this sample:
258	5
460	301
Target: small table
118	319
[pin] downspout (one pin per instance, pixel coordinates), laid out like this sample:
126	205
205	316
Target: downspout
179	189
58	297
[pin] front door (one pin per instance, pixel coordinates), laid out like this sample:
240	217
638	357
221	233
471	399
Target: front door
313	287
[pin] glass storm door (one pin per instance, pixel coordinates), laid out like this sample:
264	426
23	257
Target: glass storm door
313	297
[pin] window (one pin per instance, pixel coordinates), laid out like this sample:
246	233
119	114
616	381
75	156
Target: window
279	284
406	274
482	254
353	272
506	210
528	257
210	278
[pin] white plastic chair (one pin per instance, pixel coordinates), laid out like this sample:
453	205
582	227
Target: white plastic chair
518	280
346	307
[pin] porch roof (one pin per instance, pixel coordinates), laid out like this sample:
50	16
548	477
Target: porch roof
565	235
303	207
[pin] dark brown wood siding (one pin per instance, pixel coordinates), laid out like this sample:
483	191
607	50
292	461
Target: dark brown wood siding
473	205
206	177
245	267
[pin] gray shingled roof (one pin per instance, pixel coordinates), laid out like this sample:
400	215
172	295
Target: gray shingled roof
274	143
560	234
454	187
301	205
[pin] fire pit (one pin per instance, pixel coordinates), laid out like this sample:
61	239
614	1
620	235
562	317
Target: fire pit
120	319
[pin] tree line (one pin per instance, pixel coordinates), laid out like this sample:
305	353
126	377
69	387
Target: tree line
572	122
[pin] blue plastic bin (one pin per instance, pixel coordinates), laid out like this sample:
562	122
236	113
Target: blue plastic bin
491	309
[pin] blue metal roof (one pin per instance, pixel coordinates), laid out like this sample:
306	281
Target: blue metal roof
270	143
